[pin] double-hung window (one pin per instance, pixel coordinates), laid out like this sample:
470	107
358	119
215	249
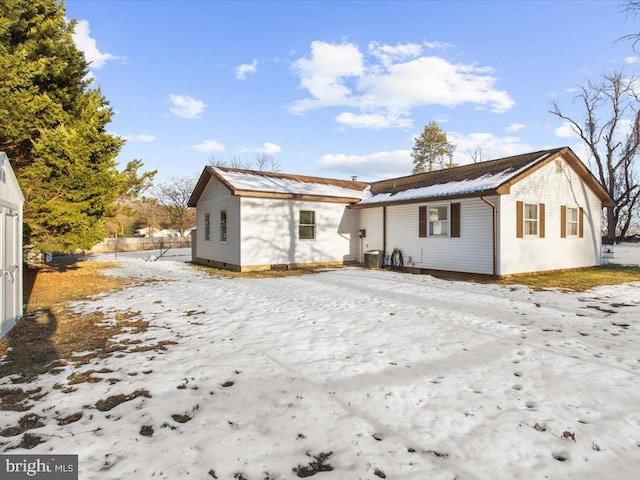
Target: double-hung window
307	225
438	220
207	226
572	222
530	219
223	225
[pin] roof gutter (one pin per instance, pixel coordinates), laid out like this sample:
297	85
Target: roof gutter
494	208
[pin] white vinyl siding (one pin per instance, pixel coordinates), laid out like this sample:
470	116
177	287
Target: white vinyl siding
472	252
214	199
553	185
270	234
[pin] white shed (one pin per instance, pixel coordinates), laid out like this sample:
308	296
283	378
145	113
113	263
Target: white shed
11	207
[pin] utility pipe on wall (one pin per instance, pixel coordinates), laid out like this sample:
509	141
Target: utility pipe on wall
494	234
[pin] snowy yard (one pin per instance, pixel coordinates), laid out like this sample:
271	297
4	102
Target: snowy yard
390	375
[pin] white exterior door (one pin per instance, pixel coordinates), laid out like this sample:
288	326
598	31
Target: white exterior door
9	308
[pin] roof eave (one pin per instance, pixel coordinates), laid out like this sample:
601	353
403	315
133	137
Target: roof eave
427	199
295	196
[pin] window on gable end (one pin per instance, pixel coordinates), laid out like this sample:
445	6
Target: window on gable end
207	226
531	219
223	225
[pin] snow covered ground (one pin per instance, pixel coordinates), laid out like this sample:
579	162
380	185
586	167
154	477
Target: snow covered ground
399	376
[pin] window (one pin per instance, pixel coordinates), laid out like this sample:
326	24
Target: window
572	222
438	221
307	227
223	225
207	226
530	219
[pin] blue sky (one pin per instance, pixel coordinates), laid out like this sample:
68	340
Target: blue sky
337	89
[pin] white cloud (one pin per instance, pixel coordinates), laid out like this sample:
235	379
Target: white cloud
143	137
437	44
565	131
516	127
269	148
323	74
631	60
492	146
246	68
82	38
373	120
185	106
388	54
389	82
373	165
209	146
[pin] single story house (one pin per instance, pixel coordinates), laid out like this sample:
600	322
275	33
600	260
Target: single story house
533	212
11	207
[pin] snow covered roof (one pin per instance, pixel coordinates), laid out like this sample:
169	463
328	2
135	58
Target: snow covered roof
281	185
484	178
491	177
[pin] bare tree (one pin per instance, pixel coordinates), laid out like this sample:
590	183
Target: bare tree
610	130
631	9
477	155
174	195
267	163
264	162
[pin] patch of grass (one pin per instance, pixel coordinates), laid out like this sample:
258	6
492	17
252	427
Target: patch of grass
28	441
115	400
49	333
12	399
27	422
74	417
577	280
54	284
318	464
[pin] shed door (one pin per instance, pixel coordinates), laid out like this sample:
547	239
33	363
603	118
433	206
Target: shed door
9	262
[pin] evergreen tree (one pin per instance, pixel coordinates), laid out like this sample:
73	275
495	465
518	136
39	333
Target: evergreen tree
53	127
432	150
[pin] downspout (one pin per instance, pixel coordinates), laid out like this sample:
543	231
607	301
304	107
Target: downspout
384	234
494	234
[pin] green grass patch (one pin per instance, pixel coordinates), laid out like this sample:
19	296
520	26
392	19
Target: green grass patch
577	280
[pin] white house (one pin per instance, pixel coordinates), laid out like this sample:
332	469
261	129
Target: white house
249	220
11	206
533	212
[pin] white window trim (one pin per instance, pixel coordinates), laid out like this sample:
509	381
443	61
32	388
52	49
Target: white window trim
524	220
206	231
438	205
314	225
569	223
226	224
